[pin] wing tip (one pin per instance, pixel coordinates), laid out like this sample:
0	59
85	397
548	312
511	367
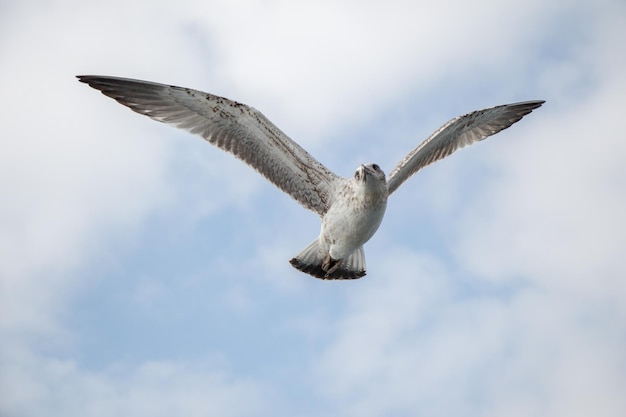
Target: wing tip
87	79
527	105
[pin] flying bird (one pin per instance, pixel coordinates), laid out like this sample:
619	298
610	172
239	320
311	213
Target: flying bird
351	209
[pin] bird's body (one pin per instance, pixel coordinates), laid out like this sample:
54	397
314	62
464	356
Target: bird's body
357	211
351	209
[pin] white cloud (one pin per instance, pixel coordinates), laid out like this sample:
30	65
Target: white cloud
409	346
54	387
343	62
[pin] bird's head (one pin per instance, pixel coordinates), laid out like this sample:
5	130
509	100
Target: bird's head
369	172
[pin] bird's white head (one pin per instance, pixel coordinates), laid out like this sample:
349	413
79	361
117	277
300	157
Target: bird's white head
369	172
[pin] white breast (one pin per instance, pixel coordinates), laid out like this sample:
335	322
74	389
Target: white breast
353	218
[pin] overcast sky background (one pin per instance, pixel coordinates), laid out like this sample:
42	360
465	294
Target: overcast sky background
145	273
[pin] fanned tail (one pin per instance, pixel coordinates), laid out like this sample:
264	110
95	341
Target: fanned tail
312	261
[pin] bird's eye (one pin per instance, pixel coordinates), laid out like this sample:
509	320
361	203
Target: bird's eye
376	167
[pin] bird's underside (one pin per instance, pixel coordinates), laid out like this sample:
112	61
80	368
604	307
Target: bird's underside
248	135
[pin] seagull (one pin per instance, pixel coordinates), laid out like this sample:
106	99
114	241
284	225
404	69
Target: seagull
351	209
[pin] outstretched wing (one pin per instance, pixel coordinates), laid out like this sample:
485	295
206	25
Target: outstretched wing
457	133
232	127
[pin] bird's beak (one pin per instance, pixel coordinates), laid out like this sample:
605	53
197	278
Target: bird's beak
362	172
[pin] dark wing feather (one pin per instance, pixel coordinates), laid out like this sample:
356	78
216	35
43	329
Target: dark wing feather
233	127
457	133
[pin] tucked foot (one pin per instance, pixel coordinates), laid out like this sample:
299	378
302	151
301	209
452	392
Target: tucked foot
330	265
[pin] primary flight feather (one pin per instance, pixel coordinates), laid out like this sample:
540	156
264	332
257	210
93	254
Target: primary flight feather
351	209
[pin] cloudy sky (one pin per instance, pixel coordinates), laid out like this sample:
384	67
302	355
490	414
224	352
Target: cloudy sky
145	273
